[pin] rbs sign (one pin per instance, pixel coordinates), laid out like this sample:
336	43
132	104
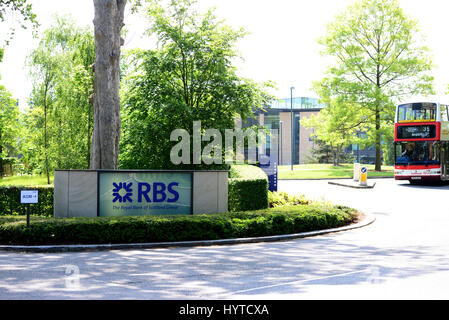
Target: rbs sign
159	192
144	193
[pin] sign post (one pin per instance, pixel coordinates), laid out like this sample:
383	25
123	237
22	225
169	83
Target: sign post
356	172
363	176
271	170
29	197
269	162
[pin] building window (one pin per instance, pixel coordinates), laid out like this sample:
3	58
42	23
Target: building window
271	121
296	145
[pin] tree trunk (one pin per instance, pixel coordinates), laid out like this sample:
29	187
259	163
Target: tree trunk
378	166
1	158
334	156
89	131
60	150
338	154
108	23
45	136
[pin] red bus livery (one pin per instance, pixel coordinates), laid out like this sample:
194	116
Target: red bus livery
421	142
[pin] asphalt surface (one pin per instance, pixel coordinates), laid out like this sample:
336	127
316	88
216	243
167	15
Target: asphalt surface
404	254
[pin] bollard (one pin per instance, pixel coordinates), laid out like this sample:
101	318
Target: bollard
356	172
363	177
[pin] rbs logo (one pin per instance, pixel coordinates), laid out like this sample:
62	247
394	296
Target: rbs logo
156	192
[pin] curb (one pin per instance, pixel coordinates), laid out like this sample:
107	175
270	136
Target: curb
389	177
355	186
368	219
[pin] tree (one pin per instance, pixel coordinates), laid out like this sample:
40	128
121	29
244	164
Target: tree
60	120
378	60
77	101
336	126
20	6
190	77
9	116
108	23
23	7
26	11
325	153
45	68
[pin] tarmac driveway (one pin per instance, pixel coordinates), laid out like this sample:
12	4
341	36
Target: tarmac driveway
404	254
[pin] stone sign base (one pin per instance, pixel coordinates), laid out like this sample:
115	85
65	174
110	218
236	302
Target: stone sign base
96	193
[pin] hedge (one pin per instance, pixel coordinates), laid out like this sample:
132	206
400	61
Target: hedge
247	189
10	200
273	221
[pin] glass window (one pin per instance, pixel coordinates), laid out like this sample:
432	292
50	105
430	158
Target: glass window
271	121
417	112
296	128
444	112
417	152
297	103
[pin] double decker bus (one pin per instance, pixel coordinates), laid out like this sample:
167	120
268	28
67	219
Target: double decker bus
421	142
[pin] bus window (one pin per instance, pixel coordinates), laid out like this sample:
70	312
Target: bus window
417	152
417	112
444	112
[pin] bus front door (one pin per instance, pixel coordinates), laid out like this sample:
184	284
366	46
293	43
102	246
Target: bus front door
445	160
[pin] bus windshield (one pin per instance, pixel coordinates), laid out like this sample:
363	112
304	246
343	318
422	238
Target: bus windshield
417	152
417	112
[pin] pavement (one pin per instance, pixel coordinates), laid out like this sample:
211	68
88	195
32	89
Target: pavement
403	255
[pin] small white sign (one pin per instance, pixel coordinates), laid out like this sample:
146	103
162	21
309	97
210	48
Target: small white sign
29	196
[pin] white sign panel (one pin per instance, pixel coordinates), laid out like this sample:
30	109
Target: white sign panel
444	131
28	196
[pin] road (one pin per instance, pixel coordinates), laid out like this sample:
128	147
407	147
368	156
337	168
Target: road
404	254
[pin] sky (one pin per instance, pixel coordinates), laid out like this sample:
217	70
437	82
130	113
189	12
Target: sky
281	45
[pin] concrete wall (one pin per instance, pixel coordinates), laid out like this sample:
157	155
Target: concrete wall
210	192
285	145
305	144
76	193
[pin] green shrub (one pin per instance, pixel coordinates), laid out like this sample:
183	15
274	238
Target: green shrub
247	189
274	221
276	199
279	198
10	201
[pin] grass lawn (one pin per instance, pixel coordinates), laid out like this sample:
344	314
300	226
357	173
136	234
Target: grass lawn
303	171
325	171
25	181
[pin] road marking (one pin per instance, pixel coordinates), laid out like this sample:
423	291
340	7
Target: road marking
294	282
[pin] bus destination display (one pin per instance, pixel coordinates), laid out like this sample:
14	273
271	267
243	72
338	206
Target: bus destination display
416	132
